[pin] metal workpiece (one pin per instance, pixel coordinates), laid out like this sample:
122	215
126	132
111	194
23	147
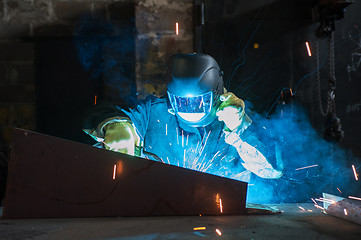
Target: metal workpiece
51	177
345	208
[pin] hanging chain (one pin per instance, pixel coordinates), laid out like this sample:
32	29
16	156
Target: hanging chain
331	107
318	82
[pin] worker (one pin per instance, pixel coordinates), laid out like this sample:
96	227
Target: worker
198	125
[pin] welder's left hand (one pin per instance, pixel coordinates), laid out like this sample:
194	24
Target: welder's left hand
231	110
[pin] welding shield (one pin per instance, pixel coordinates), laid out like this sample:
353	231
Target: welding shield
194	85
192	108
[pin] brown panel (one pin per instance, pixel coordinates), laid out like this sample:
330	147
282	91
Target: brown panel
52	177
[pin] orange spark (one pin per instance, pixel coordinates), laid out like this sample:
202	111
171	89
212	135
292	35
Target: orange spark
356	198
176	28
95	99
301	208
114	170
318	206
339	190
220	205
308	49
354	172
345	211
219	232
199	228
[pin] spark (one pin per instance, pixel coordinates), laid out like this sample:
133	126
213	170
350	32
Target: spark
302	208
313	201
220	205
187	140
200	104
158	120
182	139
318	206
199	228
114	170
325	200
95	99
176	28
166	129
339	190
184	158
177	135
354	172
308	49
218	232
309	210
306	167
345	211
356	198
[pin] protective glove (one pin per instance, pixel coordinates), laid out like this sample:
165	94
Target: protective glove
231	111
120	136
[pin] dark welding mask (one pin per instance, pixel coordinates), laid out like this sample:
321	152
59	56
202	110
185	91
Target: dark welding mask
194	85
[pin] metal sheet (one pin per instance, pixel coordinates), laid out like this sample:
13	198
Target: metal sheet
344	208
52	177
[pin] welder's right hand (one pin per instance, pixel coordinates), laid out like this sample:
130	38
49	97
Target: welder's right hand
121	137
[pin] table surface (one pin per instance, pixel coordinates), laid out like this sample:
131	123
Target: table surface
292	223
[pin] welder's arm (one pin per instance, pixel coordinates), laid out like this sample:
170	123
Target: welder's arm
253	159
232	113
117	134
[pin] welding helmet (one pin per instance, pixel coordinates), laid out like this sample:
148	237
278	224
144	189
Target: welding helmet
194	85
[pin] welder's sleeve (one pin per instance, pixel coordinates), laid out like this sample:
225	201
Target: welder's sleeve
237	122
252	158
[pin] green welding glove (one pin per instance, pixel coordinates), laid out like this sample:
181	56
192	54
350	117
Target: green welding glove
120	136
231	111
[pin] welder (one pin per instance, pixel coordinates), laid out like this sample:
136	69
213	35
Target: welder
198	125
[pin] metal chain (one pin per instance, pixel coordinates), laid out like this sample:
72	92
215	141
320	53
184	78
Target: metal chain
318	82
331	106
332	77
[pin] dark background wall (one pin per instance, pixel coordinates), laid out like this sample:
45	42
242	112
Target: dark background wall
261	48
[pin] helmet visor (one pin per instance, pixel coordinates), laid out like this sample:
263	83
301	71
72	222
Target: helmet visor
192	108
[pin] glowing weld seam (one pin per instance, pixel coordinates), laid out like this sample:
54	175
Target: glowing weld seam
316	165
354	172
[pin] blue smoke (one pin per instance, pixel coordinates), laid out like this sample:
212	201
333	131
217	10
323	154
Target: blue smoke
302	146
106	49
